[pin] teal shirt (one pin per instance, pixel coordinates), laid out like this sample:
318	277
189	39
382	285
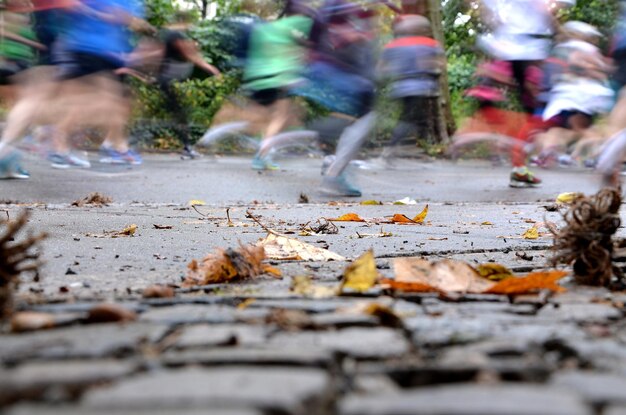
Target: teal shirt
276	56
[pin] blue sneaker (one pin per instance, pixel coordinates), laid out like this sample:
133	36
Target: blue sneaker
263	163
109	155
67	161
10	168
338	186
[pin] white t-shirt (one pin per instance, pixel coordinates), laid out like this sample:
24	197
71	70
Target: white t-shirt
523	30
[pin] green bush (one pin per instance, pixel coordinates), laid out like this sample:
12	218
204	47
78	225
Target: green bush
202	97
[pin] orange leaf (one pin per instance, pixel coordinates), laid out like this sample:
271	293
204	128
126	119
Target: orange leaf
399	218
535	281
349	217
422	216
408	287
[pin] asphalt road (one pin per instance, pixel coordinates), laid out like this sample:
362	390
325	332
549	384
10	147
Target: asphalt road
229	180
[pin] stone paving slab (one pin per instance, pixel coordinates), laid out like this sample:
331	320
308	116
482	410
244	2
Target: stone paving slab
599	389
68	410
295	391
94	341
469	400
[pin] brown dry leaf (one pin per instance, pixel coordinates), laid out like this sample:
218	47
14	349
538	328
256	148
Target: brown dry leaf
156	226
93	199
108	313
158	291
486	223
432	238
283	248
227	265
533	282
385	315
361	275
31	321
446	275
348	217
532	233
407	287
422	216
494	272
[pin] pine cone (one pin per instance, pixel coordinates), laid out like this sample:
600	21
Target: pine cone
15	258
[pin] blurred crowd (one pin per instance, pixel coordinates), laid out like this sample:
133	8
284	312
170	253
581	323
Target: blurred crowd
541	88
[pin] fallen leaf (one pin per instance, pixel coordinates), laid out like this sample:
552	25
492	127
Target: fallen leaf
158	291
487	223
93	199
162	226
108	313
432	238
360	275
284	248
405	201
224	265
273	271
386	316
303	198
348	217
371	203
445	275
31	321
533	282
422	216
567	198
303	285
381	234
407	287
128	231
532	233
494	272
402	219
320	227
195	202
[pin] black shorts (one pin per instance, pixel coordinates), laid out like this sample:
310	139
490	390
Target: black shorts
72	65
267	97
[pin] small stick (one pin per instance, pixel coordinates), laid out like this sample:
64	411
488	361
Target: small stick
254	218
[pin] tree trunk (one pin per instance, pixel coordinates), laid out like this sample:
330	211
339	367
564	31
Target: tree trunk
445	118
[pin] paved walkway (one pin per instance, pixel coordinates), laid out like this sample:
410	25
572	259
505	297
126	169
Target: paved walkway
258	347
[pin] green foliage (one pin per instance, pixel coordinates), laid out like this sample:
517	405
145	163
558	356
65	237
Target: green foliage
202	97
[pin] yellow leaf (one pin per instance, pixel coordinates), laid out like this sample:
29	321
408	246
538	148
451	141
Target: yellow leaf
349	217
532	233
361	275
195	202
371	203
494	272
420	218
487	223
568	198
129	230
303	285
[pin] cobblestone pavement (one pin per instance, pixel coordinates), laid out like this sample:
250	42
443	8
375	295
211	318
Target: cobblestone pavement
257	347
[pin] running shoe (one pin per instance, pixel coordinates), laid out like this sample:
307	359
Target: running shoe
190	153
10	168
263	163
111	156
67	161
338	186
521	177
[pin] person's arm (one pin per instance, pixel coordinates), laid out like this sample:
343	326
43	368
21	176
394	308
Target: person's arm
189	50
